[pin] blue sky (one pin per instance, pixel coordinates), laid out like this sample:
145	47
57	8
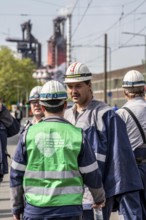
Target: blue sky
91	19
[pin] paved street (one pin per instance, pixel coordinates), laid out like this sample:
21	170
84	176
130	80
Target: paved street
5	212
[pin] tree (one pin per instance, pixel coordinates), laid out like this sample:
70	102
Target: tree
16	79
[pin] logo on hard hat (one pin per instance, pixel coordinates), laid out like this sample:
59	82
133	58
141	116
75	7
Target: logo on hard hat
36	95
73	67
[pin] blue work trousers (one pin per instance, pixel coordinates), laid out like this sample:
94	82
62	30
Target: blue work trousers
92	214
55	218
140	156
88	214
127	204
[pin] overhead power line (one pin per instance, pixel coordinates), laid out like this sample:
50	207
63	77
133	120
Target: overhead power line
119	20
129	40
26	14
74	6
49	3
82	17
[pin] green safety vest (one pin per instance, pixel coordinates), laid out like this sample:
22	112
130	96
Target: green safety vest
52	177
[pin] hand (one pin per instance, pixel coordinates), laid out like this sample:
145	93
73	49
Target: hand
16	217
98	206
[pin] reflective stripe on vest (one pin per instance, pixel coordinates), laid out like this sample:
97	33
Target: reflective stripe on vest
52	177
52	174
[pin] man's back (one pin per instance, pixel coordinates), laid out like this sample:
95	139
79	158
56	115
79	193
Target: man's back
138	107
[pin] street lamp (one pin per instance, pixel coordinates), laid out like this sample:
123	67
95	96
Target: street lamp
142	35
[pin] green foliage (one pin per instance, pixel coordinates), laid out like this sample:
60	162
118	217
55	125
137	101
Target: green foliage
15	77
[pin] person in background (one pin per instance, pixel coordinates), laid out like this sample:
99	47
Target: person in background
115	107
108	137
18	114
133	114
51	163
8	128
36	110
35	107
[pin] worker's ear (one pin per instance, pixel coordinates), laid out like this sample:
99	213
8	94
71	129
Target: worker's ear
43	108
65	105
90	85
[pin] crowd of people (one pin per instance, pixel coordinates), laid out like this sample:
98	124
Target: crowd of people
72	163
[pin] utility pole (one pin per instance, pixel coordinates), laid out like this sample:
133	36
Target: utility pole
105	68
68	40
142	35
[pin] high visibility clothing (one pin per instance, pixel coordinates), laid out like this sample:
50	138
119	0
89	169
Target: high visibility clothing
60	171
41	174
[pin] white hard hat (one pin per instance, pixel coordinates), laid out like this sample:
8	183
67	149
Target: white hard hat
133	78
77	72
53	90
35	93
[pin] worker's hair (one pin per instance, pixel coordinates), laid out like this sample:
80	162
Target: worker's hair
134	92
87	82
52	109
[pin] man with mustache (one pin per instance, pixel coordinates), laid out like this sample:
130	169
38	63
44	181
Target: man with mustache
108	137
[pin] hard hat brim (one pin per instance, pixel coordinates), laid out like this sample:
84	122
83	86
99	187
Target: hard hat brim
45	103
127	84
77	79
